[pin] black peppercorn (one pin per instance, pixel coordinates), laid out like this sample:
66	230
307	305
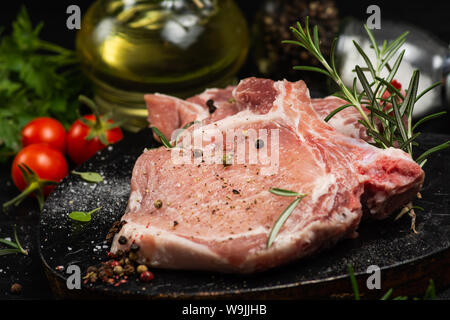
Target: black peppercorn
211	106
134	247
259	144
122	240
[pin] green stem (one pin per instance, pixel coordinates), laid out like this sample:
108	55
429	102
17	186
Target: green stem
22	250
32	187
93	211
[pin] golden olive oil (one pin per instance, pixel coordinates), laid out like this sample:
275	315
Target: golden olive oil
179	47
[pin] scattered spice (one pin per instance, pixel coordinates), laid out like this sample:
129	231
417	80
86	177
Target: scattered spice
16	288
175	223
236	191
134	247
129	270
146	276
123	240
158	204
132	256
141	268
116	227
118	270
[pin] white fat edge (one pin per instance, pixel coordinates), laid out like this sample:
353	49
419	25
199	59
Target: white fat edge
348	129
207	94
134	202
391	153
322	186
163	237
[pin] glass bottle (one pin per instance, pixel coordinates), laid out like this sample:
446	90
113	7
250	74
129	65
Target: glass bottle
423	51
179	47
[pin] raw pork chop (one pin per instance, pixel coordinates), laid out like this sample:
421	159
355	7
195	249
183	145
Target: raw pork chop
218	216
345	121
169	113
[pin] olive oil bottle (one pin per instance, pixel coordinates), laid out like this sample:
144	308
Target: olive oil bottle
179	47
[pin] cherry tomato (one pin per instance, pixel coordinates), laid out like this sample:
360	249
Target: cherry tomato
45	130
48	163
79	148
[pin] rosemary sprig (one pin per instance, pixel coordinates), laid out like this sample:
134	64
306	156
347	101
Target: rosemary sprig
286	213
16	247
389	122
166	143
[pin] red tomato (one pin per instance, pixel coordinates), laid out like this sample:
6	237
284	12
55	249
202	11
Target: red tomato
45	130
80	149
46	162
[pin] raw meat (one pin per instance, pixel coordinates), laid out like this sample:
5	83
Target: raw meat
217	216
345	121
168	113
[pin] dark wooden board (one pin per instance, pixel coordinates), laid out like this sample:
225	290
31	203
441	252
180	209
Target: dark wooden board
407	260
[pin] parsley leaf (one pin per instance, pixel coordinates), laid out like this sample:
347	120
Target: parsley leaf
37	78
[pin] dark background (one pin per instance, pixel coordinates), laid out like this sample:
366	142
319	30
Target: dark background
431	16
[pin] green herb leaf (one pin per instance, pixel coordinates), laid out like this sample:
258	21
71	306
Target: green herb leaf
386	130
354	282
285	215
161	137
93	177
335	111
314	69
4	252
284	192
387	295
16	246
37	78
82	216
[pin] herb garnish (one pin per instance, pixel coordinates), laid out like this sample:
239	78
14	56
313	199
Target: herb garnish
286	213
166	143
16	246
82	216
389	112
93	177
35	186
37	78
